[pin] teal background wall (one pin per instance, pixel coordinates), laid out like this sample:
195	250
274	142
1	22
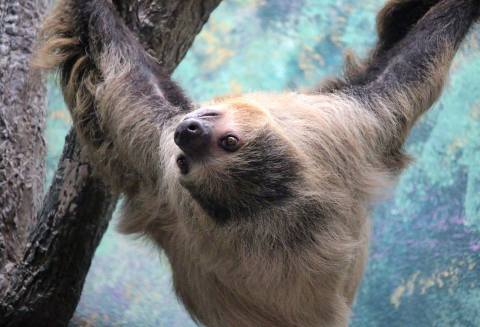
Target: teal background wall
425	253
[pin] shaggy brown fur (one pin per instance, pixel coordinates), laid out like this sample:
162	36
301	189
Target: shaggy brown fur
274	233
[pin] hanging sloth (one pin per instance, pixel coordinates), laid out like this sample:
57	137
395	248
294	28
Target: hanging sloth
259	201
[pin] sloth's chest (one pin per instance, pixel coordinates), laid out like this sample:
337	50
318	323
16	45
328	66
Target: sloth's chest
218	292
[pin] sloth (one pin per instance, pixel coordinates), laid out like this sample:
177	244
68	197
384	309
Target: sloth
261	201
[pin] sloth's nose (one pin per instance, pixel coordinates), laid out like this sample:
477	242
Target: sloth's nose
193	136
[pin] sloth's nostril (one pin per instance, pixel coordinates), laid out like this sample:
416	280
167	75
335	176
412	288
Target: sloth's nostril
193	127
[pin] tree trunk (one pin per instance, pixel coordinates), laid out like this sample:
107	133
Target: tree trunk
45	257
22	121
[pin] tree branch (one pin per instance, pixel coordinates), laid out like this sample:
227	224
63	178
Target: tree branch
43	286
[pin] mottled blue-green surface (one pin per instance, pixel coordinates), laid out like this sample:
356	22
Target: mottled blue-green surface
425	254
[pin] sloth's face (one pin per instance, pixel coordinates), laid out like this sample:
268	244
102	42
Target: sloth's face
205	135
217	133
232	161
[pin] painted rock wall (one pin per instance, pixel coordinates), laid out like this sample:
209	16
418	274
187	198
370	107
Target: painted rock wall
425	254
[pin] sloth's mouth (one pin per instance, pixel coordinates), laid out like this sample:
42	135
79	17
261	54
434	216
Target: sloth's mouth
183	164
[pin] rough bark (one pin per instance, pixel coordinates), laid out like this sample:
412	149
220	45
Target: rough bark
166	28
22	120
45	266
43	288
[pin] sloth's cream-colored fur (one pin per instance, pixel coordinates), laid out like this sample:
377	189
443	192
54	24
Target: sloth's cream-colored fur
276	233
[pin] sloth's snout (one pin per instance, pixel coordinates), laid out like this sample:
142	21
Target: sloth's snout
193	136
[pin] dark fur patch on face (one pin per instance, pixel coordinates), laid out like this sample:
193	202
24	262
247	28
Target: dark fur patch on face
296	230
262	174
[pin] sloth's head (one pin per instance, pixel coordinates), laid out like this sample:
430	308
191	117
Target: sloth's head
234	160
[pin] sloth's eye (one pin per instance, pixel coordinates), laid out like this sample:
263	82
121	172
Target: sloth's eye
229	143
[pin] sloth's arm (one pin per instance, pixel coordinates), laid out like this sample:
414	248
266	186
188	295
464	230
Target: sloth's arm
406	71
406	77
119	98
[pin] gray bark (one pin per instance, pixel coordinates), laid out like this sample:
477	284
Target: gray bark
45	257
22	120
